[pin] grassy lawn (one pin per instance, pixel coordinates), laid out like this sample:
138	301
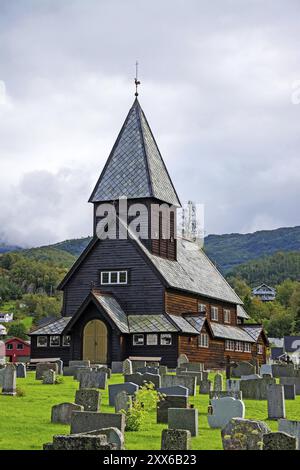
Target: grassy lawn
25	421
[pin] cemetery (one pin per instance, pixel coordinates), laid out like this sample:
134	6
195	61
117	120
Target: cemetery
50	408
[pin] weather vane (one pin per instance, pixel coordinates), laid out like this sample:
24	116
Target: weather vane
136	80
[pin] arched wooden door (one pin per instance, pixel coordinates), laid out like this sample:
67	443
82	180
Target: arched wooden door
95	342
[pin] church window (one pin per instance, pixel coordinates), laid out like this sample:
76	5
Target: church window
138	340
55	341
152	339
41	341
203	340
214	313
165	339
113	277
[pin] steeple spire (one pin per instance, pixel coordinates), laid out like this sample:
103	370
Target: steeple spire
136	80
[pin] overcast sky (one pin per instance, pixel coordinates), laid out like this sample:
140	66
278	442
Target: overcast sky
219	88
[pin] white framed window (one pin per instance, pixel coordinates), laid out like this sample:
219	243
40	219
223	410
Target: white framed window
20	346
138	340
165	339
41	341
247	347
9	346
54	341
152	339
260	349
113	277
201	308
239	346
214	313
229	345
227	315
203	341
66	341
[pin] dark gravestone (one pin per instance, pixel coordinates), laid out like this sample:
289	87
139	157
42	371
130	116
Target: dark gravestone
176	390
21	370
279	441
83	421
89	398
80	442
291	381
289	392
183	418
256	389
243	434
175	439
42	367
113	390
169	402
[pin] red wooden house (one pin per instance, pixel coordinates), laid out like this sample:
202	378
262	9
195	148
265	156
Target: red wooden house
17	350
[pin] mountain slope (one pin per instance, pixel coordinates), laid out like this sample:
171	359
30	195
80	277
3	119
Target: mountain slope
230	250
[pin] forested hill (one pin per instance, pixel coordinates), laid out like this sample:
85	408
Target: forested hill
233	249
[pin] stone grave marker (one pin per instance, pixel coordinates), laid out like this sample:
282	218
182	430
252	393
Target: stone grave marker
243	434
232	385
127	367
237	395
93	379
62	413
80	442
9	380
117	367
113	390
266	369
279	441
83	421
256	389
21	370
49	377
147	369
190	373
137	365
218	382
222	410
290	427
251	377
162	370
89	398
176	390
169	402
283	370
60	366
243	368
187	381
289	392
182	359
291	381
183	418
42	367
123	402
205	387
175	439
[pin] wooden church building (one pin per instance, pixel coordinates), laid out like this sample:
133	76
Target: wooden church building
145	296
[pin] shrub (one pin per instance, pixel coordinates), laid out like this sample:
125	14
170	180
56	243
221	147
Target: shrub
20	392
146	399
59	380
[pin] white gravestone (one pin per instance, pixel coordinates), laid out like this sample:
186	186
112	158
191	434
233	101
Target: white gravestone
223	410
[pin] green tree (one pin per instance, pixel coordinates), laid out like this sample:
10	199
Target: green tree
18	330
284	292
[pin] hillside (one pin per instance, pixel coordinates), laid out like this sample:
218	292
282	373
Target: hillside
271	269
230	250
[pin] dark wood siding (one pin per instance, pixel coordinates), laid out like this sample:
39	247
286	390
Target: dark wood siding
169	354
144	292
64	353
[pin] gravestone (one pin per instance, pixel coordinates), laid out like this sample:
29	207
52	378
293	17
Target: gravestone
137	364
140	379
162	370
2	371
21	370
218	382
289	392
123	402
290	427
185	381
243	368
175	439
89	398
279	441
205	387
113	435
93	379
104	369
81	370
266	369
222	410
113	390
291	381
256	389
83	421
181	418
42	367
243	434
9	380
147	369
189	373
251	377
60	366
283	370
182	359
237	395
84	363
127	367
169	402
232	385
62	413
49	377
176	390
117	367
80	442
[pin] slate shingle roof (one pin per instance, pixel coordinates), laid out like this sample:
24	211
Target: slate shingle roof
230	332
135	167
183	325
113	310
291	343
56	327
241	312
253	330
150	324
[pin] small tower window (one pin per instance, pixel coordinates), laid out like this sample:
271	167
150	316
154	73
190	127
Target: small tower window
113	277
138	340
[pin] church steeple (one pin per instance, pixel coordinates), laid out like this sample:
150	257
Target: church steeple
135	167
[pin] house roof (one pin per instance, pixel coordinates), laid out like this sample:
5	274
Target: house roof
184	325
291	343
56	327
276	352
264	287
241	312
253	330
135	167
150	324
230	332
19	340
113	310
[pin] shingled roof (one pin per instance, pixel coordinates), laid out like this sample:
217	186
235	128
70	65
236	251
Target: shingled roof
135	167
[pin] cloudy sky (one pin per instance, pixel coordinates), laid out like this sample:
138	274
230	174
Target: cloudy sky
220	88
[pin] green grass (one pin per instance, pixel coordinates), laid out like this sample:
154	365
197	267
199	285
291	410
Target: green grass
25	421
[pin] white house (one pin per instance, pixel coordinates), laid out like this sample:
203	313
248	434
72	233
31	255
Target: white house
3	330
6	317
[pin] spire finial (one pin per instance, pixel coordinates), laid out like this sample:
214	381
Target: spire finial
136	80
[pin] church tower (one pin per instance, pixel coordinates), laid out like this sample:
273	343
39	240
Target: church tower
135	170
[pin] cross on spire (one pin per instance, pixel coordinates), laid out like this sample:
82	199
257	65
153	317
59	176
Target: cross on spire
136	80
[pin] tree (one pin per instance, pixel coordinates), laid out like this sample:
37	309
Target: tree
284	292
17	330
240	286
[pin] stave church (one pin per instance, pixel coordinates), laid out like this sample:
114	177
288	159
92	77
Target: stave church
145	296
